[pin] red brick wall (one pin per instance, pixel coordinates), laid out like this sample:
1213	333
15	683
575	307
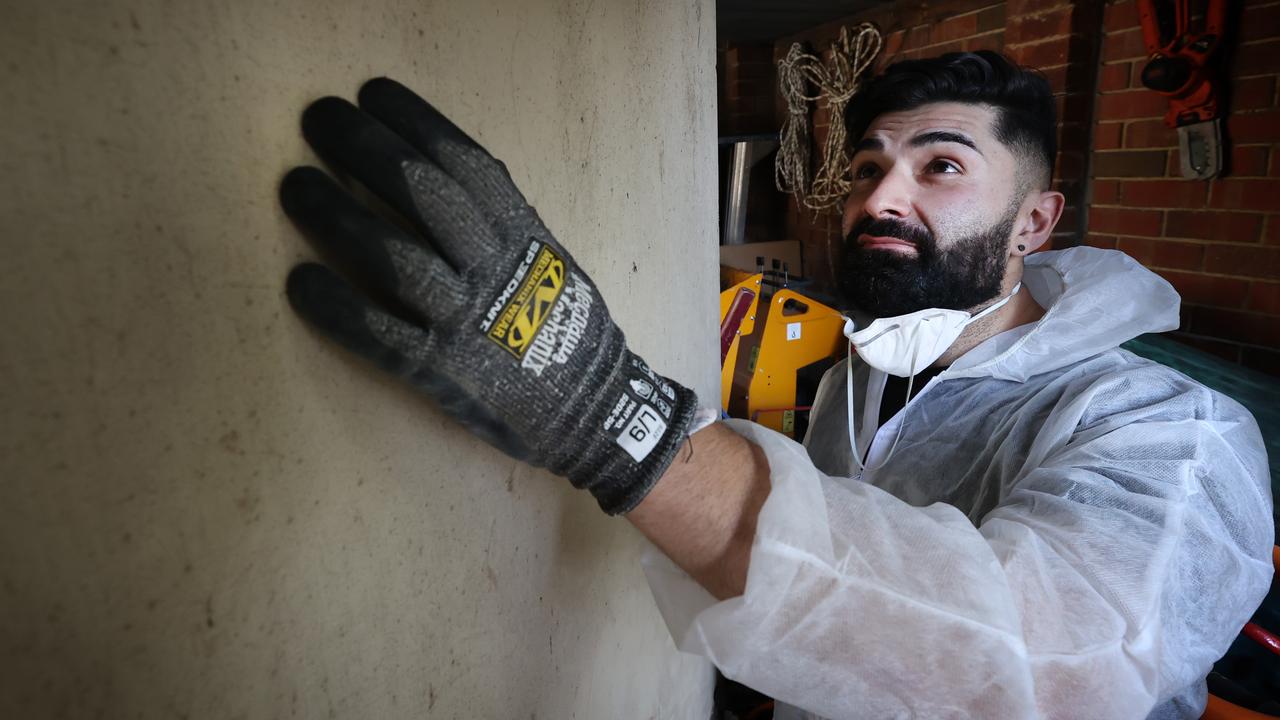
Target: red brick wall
748	83
1218	241
1060	38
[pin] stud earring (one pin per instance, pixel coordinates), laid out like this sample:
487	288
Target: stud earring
1021	248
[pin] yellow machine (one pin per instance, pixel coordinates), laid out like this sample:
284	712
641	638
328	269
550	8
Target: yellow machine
768	337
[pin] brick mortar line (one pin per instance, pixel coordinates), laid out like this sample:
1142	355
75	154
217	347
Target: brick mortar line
1237	343
1154	268
1110	206
1191	271
1250	77
1140	178
1239	310
1259	243
962	37
1191	241
1127	58
1051	38
1221	276
984	33
1194	241
1038	13
963	14
1269	213
948	42
1020	45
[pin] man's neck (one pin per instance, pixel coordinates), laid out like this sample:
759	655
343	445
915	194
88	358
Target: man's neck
1020	310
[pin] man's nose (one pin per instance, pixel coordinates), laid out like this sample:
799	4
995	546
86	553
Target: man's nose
890	198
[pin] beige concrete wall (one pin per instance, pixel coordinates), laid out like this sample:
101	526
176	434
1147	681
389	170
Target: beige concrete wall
206	510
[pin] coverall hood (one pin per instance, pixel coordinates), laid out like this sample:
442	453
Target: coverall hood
1111	299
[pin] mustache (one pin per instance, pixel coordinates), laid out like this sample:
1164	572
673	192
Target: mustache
890	227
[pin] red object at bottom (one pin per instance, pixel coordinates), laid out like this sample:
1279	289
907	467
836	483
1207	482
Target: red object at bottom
1262	637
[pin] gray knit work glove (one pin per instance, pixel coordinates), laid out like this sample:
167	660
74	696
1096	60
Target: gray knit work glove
477	305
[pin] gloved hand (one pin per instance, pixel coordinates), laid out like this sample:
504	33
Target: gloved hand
478	305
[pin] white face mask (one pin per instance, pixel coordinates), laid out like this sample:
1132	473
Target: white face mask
903	346
906	344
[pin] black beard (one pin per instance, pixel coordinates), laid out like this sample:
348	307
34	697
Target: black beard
885	283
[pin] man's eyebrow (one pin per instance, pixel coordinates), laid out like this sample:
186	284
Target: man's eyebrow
944	136
868	143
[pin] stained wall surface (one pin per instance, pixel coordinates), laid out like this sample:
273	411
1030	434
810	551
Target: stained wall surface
208	511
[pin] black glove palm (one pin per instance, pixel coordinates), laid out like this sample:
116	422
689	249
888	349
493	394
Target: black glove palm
497	322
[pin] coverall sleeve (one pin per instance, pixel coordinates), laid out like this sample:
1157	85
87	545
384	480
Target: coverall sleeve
1124	558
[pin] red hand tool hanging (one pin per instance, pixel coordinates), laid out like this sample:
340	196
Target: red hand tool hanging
1182	67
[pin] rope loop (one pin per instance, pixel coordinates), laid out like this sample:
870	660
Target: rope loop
835	82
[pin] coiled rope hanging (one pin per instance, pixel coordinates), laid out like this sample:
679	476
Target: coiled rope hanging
836	81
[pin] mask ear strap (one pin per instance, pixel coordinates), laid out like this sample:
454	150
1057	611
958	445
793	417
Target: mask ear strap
853	440
848	393
996	306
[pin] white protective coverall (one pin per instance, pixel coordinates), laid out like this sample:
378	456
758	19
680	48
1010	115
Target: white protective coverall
1065	530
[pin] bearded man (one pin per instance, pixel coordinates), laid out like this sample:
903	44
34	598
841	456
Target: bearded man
996	513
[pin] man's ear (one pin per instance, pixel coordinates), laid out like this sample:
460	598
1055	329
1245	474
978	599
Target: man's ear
1037	225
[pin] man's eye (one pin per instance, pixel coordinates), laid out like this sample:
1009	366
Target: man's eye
866	171
943	166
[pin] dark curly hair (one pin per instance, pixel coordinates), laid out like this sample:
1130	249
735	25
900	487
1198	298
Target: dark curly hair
1026	120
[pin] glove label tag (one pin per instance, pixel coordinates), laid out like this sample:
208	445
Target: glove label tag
642	413
640	435
524	306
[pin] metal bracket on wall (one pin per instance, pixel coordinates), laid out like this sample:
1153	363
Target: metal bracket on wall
1200	149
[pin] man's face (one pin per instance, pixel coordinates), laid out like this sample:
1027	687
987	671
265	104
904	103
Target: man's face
933	206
